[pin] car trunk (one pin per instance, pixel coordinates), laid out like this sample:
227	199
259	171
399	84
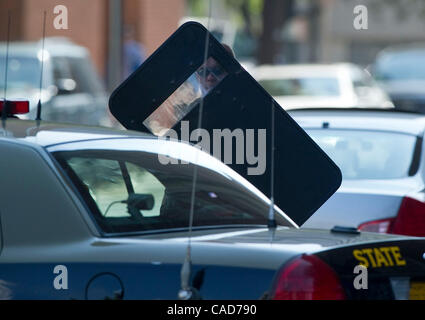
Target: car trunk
359	201
395	265
395	269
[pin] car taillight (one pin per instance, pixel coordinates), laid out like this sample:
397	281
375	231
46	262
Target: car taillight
380	226
307	278
15	107
410	219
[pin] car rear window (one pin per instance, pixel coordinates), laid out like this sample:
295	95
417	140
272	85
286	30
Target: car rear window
106	179
368	154
401	66
319	86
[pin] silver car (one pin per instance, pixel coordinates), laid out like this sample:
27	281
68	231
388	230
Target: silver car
71	90
380	154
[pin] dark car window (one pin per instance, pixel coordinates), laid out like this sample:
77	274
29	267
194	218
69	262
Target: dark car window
367	154
105	178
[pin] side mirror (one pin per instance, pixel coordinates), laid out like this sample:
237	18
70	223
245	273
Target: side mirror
141	201
65	86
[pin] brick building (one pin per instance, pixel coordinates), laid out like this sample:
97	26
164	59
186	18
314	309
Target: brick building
89	22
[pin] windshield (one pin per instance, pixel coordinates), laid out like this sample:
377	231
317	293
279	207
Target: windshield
107	179
367	154
301	87
401	66
22	72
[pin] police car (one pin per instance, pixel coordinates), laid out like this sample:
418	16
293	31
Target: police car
96	213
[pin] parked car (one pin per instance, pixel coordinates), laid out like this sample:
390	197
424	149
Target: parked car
71	90
381	156
96	208
99	209
401	72
340	85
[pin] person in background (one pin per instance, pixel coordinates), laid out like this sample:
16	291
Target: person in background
133	52
187	96
211	72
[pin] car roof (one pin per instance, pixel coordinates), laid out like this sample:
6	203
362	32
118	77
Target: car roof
376	120
401	48
55	46
50	133
298	70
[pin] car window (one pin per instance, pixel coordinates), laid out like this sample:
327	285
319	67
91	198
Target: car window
106	183
401	66
106	178
367	154
302	87
22	72
80	70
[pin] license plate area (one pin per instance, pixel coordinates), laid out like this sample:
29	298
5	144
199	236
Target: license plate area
417	290
408	289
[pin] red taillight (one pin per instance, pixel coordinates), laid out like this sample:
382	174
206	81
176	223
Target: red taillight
380	226
15	107
410	219
307	278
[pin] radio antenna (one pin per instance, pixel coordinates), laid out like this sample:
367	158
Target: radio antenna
271	223
5	110
38	117
187	292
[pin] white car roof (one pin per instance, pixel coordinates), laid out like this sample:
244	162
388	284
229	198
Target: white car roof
300	70
358	119
55	46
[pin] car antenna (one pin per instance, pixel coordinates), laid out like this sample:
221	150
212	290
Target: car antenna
38	117
187	292
6	105
271	222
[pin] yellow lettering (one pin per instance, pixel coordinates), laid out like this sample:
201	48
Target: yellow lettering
380	259
358	255
370	256
397	256
386	251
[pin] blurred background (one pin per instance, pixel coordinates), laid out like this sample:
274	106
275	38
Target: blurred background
259	31
106	40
